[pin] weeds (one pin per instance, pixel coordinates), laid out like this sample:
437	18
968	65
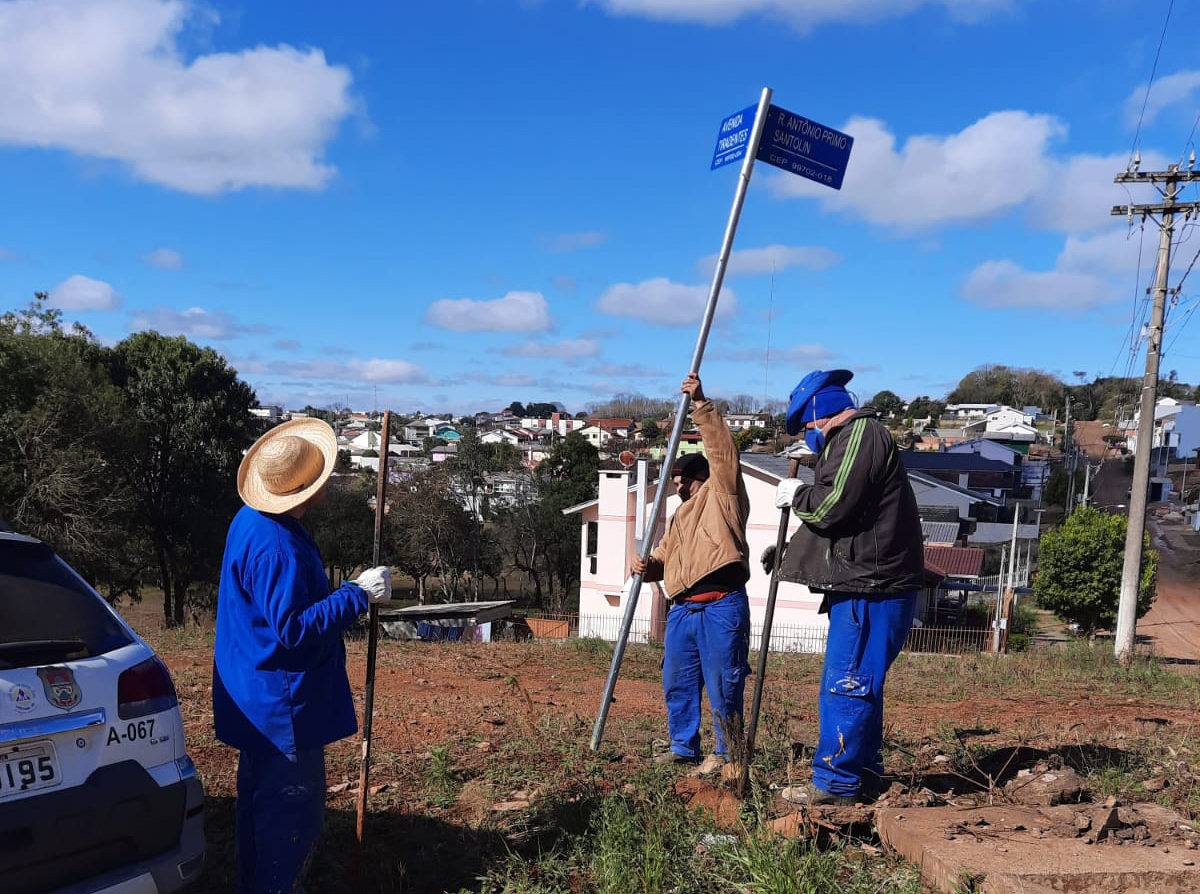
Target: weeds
440	781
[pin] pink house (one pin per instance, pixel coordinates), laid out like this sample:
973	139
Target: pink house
611	524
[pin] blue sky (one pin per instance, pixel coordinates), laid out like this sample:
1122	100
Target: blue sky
458	204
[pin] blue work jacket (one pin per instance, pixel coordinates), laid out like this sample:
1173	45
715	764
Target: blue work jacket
279	666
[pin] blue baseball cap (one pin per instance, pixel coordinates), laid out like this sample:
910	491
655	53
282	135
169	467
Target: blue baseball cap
830	383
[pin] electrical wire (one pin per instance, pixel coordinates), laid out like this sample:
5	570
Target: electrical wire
1153	70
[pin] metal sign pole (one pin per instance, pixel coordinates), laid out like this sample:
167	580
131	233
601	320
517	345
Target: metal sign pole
764	643
760	120
372	640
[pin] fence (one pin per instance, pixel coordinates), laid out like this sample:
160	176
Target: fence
993	581
784	637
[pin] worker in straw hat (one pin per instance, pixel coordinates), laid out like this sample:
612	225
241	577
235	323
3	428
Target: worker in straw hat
859	544
280	691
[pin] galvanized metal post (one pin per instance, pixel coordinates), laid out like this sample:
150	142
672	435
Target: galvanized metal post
372	640
764	643
739	198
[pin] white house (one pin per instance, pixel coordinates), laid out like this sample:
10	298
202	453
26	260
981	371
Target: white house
501	436
967	411
742	421
1005	423
596	435
270	412
611	523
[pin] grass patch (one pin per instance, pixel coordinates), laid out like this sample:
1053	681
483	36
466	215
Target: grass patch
649	843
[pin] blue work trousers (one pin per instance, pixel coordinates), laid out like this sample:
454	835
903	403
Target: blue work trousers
866	633
280	811
705	648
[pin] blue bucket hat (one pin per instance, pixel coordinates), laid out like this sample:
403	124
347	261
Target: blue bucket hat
821	393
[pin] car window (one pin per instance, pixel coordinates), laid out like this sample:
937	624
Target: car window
46	614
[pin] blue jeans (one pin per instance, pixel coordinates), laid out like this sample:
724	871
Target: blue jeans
705	648
280	810
866	633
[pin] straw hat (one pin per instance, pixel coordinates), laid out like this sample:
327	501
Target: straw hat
287	465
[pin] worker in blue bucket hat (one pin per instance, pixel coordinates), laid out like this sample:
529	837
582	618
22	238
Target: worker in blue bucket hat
859	545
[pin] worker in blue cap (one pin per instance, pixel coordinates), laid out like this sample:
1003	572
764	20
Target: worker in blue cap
860	545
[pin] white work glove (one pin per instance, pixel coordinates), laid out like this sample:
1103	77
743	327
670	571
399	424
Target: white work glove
377	582
785	492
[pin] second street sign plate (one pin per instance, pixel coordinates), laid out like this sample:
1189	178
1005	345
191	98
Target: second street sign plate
804	147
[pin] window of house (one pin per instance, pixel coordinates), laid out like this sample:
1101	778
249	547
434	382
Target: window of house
593	537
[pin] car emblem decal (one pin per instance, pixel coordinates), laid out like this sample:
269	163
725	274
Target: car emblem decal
23	698
61	688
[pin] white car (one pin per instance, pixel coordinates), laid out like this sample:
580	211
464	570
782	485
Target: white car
97	793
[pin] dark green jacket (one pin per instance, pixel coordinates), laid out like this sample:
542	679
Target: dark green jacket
860	532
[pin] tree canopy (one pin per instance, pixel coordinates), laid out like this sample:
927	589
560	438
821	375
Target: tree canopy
1079	570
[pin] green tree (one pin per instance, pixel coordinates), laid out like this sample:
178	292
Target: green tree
188	424
59	429
748	437
1079	570
923	407
343	525
888	403
651	433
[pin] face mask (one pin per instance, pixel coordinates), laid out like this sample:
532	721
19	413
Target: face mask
815	440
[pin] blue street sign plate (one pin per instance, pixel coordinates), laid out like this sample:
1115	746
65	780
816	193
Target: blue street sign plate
796	144
733	137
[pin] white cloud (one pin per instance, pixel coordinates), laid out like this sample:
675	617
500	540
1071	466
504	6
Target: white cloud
664	302
84	293
1112	253
286	344
1090	271
571	347
990	167
629	370
399	372
1079	192
112	79
1166	91
572	241
771	259
515	312
1006	284
811	355
164	259
195	322
803	15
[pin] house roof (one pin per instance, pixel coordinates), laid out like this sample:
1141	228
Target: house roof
954	488
938	513
923	460
956	561
611	425
940	531
773	468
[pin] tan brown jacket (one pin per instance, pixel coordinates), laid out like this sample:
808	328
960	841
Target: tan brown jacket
709	530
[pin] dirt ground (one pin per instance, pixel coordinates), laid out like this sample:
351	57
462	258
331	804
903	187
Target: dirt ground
481	750
470	738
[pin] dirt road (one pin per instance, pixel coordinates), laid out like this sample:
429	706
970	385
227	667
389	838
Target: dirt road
1172	626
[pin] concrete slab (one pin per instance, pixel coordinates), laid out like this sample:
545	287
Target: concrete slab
1021	850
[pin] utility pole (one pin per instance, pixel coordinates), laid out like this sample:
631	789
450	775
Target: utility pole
1069	460
1087	482
1131	571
